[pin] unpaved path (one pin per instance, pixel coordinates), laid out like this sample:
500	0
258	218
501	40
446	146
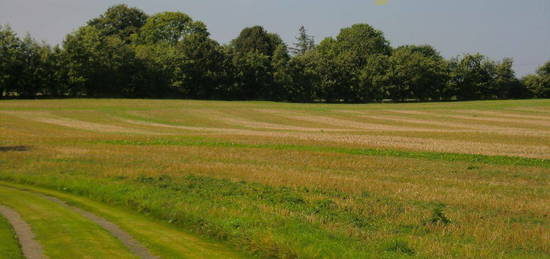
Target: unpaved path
31	248
133	245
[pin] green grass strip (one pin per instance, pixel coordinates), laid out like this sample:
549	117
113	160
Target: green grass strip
437	156
9	245
62	232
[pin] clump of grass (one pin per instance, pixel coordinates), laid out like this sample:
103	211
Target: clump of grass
399	246
438	216
473	167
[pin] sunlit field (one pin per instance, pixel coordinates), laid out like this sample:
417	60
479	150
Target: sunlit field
459	179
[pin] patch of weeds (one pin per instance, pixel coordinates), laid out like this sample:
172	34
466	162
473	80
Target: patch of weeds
120	177
438	216
323	205
162	181
405	229
399	246
473	167
145	179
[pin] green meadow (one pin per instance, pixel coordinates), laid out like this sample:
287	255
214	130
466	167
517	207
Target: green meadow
262	179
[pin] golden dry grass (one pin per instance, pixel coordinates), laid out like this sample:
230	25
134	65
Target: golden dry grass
497	210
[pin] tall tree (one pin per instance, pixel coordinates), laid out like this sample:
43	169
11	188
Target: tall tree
506	85
101	66
10	60
282	75
362	40
119	20
304	42
200	70
257	39
169	27
471	77
338	62
538	84
416	73
251	57
374	79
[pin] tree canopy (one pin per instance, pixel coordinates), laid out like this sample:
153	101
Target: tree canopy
125	52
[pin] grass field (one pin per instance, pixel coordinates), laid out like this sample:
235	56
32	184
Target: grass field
9	248
463	180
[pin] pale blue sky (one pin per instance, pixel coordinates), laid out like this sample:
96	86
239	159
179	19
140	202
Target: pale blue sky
498	28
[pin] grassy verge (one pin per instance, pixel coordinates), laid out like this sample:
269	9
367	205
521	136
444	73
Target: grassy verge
62	232
162	239
281	222
221	209
9	245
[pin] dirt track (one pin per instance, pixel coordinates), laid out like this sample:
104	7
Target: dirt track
31	248
133	245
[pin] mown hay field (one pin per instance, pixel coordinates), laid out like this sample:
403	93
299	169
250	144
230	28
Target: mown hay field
463	179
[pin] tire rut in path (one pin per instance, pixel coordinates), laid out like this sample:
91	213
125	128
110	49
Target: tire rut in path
132	244
30	247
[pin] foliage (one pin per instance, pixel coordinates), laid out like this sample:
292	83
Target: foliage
539	84
170	27
126	53
416	73
101	66
256	39
119	20
304	42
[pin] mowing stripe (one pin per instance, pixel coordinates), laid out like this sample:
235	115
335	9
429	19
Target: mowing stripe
133	245
30	247
427	155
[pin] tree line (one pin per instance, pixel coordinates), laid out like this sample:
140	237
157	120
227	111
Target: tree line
127	53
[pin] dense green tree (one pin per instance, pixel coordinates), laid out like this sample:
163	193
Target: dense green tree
416	73
35	74
282	74
169	27
256	39
471	77
506	84
253	75
55	65
200	70
101	65
339	62
334	71
174	49
119	20
538	84
425	50
298	78
28	68
251	56
374	79
361	41
125	53
10	60
535	85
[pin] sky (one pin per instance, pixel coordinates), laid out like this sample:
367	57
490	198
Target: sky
519	29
